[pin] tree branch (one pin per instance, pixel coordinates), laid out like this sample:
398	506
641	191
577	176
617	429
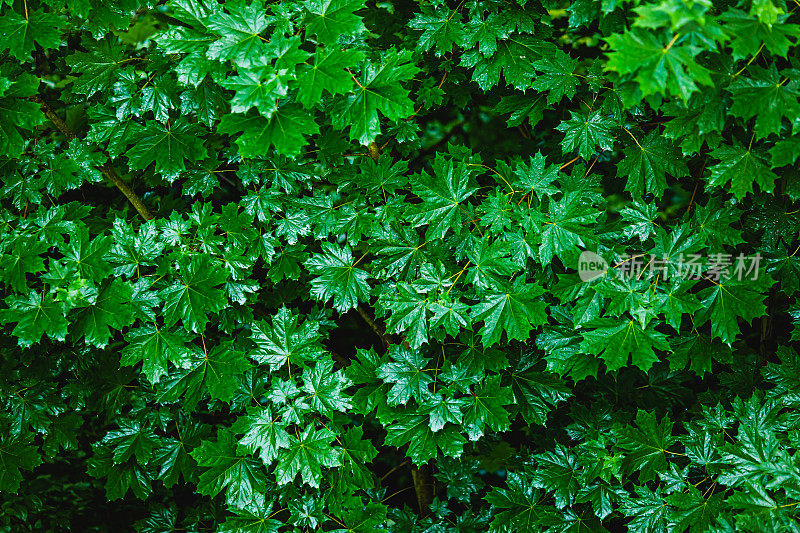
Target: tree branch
105	170
422	487
374	326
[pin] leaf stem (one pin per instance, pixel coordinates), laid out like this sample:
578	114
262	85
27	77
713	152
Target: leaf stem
750	61
669	45
568	163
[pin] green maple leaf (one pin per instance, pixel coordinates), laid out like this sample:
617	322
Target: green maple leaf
98	68
443	410
205	101
521	507
179	39
120	478
131	440
132	250
223	331
154	347
306	455
785	152
443	194
23	258
409	311
514	57
407	376
168	146
557	473
646	445
286	53
326	388
260	87
195	293
294	224
254	517
766	96
568	227
379	92
62	435
16	454
399	252
697	352
677	300
558	78
730	299
111	309
337	277
287	263
662	63
486	408
158	97
647	510
284	341
285	130
616	341
371	393
697	121
328	19
602	497
646	164
364	519
328	73
676	246
87	255
522	107
196	67
584	132
35	314
748	33
17	114
583	12
194	13
492	266
626	294
423	443
62	172
239	31
536	393
459	477
515	310
114	134
357	454
638	219
484	32
496	212
753	497
241	477
536	177
217	369
441	29
693	510
20	34
264	434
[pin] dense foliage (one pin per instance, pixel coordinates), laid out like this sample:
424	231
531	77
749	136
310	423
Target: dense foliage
314	265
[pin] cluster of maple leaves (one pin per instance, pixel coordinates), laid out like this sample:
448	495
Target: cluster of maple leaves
313	265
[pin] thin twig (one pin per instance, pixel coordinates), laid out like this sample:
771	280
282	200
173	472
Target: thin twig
105	170
371	323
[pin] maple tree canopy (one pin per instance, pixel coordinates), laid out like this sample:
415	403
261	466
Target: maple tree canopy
321	265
